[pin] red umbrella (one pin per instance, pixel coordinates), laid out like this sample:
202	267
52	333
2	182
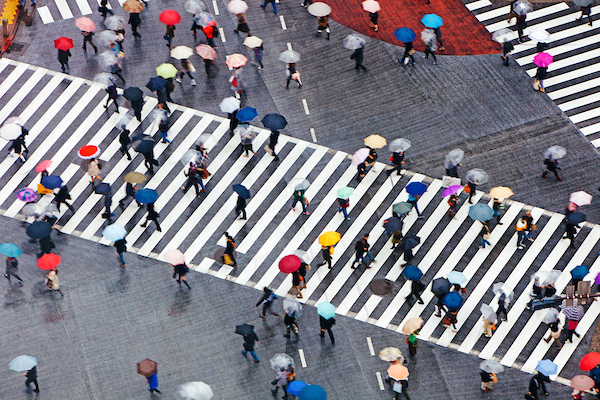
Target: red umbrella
589	361
289	264
48	261
170	17
63	43
88	151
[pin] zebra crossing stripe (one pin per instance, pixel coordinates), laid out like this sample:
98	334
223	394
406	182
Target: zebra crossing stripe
64	9
541	13
21	93
12	78
45	14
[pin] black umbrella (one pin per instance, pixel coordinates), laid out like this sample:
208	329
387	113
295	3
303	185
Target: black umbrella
102	188
39	230
440	286
144	145
244	329
575	218
133	93
274	122
157	83
241	191
409	242
393	224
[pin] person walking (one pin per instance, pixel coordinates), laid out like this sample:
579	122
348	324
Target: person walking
453	171
521	25
135	21
409	52
411	340
280	381
242	24
121	247
323	26
361	247
299	279
487	380
151	216
229	249
536	383
453	202
502	303
186	68
266	301
93	170
430	44
497	206
240	207
298	196
152	381
112	95
246	140
416	288
485	235
103	8
552	166
264	5
249	342
398	161
63	59
163	124
137	109
520	228
530	226
290	325
46	246
150	161
571	326
488	327
258	56
292	73
273	138
130	191
208	65
439	306
326	325
211	32
570	232
32	378
438	37
169	35
554	334
52	281
540	74
396	238
408	256
125	141
413	199
88	38
238	81
358	57
19	147
586	11
343	207
179	273
12	269
507	47
107	204
326	252
373	18
193	180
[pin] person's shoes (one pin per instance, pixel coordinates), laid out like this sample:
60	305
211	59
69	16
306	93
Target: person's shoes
122	206
438	315
256	361
520	247
286	336
261	316
299	296
299	86
262	6
559	179
307	213
193	82
556	347
499	223
158	229
287	87
576	334
36	390
530	239
421	302
157	391
330	267
353	266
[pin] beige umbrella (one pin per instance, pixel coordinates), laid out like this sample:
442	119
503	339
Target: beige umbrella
412	325
253	41
134	177
133	6
390	354
375	141
501	192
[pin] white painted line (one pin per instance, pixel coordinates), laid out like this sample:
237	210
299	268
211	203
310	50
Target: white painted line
45	14
566	62
305	104
204	266
224	271
370	344
289	46
282	23
84	7
64	9
313	135
493	13
20	95
379	380
573	89
216	7
478	4
10	80
588	130
277	1
302	359
542	12
584	116
222	35
580	102
577	73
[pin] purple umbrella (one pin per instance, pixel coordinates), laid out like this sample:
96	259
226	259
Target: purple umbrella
449	191
26	194
542	59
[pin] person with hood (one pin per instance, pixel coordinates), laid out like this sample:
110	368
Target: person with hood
280	381
266	301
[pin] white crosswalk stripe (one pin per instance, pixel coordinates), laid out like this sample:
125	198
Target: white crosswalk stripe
58	10
66	113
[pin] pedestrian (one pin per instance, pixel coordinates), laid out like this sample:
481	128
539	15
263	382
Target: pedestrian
373	18
258	55
291	71
12	269
238	81
242	24
273	138
135	22
540	74
512	14
202	172
153	383
396	238
323	26
163	124
398	161
240	207
502	303
408	256
186	68
507	47
195	26
150	161
306	3
520	228
266	301
46	246
409	52
550	290
249	342
151	216
247	139
487	380
497	206
299	279
264	5
93	170
343	205
361	247
130	191
125	141
453	171
411	340
586	11
88	38
485	235
229	249
358	57
32	378
137	109
119	42
290	324
104	9
570	232
438	37
169	35
211	32
193	180
571	326
451	319
413	199
439	306
208	65
521	25
530	226
536	383
179	273
554	334
326	325
399	387
120	246
280	381
416	288
52	282
453	202
488	327
326	252
19	147
112	95
107	204
298	196
372	157
116	70
63	59
430	45
552	166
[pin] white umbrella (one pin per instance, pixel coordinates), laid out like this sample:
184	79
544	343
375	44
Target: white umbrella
319	9
555	152
352	42
289	56
292	307
302	255
191	156
502	35
522	7
371	6
253	41
279	361
174	257
491	366
539	35
477	176
194	6
22	363
10	131
502	288
237	7
581	198
400	145
488	312
115	22
14	120
182	52
453	158
195	391
242	131
229	105
300	183
546	277
550	316
106	79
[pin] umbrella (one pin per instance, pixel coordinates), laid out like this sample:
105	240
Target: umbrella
575	218
501	192
63	43
166	70
319	9
375	141
371	6
207	52
102	188
22	363
237	7
589	361
195	391
400	145
204	19
281	361
107	59
580	198
292	307
39	229
481	212
229	105
539	35
115	22
289	264
597	280
26	194
329	238
246	114
194	7
105	38
37	209
449	191
300	183
432	21
88	152
114	232
488	312
409	242
574	313
203	139
502	35
295	387
312	392
390	354
14	120
241	191
236	60
157	83
550	316
143	145
274	122
180	52
290	56
86	24
522	7
48	261
242	131
453	158
133	6
44	165
546	367
360	155
146	196
253	41
405	35
326	310
397	372
345	192
412	325
147	367
402	208
546	277
352	42
501	288
491	366
542	59
477	176
412	273
244	329
192	156
11	131
52	181
169	17
393	224
10	250
302	255
174	257
105	78
582	382
457	278
583	3
134	177
580	272
416	188
453	301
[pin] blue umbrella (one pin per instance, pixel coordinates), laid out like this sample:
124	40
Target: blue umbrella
10	250
241	191
157	83
294	387
432	21
39	229
102	188
453	301
274	122
402	207
547	367
393	224
146	196
412	273
440	286
326	310
481	212
246	114
405	35
580	272
457	278
52	181
114	232
312	392
416	188
22	363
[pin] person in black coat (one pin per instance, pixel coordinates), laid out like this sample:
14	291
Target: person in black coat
552	166
521	25
358	57
230	248
249	341
273	138
507	47
135	22
46	246
487	380
130	190
586	11
398	161
541	74
233	121
88	38
112	95
408	53
326	325
63	59
570	231
326	253
240	207
152	216
19	147
193	180
32	378
290	325
121	247
473	189
150	161
453	171
124	140
137	109
373	18
61	197
416	288
267	300
536	383
179	272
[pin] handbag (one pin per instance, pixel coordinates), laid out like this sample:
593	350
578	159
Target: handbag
296	75
397	387
306	201
268	149
494	378
227	259
486	236
536	84
467	189
411	52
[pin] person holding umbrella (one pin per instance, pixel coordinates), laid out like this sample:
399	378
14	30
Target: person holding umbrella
361	247
243	194
264	5
357	44
151	216
552	166
169	35
88	38
242	23
193	180
12	269
299	278
323	26
292	73
135	97
536	383
585	6
130	188
112	95
179	273
485	235
554	334
431	46
135	21
398	160
266	301
19	147
63	59
31	376
149	160
407	36
186	68
52	281
292	310
298	196
326	313
124	141
250	339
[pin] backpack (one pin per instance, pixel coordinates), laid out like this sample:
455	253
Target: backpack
215	31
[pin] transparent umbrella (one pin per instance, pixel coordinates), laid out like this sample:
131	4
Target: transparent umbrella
115	22
279	361
550	316
292	307
555	152
107	59
390	354
105	38
546	277
203	19
195	391
300	183
491	366
289	56
522	7
106	79
488	312
302	255
194	6
191	156
539	35
477	176
353	42
453	158
502	35
502	288
400	145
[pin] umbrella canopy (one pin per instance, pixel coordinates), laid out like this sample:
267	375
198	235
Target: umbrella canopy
542	59
156	83
292	307
180	52
450	190
405	35
580	198
63	43
37	209
597	280
102	188
10	250
244	329
371	6
353	42
539	35
583	3
416	188
86	24
229	105
453	158
326	310
204	19
289	264
166	70
312	392
52	181
457	278
281	361
295	387
302	255
146	196
345	192
192	156
589	361
582	382
555	152
501	288
105	78
393	224
481	212
575	218
194	7
390	354
546	367
546	277
134	177
237	7
290	56
115	22
580	271
22	363
241	191
432	21
502	35
453	301
106	38
477	176
300	183
14	120
26	194
195	391
501	192
246	114
108	60
207	52
319	9
174	257
397	372
143	145
360	156
44	165
402	208
169	17
88	152
550	316
10	131
412	273
488	313
412	325
114	232
491	366
329	238
147	367
133	6
253	41
274	122
375	141
242	131
236	60
48	261
522	7
409	242
39	229
400	145
574	313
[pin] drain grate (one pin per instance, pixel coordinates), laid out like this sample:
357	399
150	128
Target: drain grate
17	47
381	287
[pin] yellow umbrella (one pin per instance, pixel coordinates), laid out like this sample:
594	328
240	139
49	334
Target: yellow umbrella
412	325
133	6
166	70
397	372
390	354
329	238
375	141
134	177
501	192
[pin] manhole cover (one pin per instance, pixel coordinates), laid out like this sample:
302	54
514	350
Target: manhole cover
218	256
380	287
16	47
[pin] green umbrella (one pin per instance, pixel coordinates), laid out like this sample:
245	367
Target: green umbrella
402	207
345	192
166	70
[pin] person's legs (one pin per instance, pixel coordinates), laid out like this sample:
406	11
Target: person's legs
254	356
157	225
122	258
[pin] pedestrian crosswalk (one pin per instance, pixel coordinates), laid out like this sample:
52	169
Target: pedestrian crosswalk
62	9
64	113
574	77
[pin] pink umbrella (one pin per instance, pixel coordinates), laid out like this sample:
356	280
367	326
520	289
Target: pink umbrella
371	6
542	59
581	198
85	24
207	52
452	190
360	156
44	165
236	60
582	382
174	257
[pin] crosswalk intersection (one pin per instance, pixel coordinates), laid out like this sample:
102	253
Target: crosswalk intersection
64	113
60	9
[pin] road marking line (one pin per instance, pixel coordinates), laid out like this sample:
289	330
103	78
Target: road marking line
313	135
381	387
305	104
45	14
222	35
289	45
282	23
302	359
216	7
84	7
64	9
370	344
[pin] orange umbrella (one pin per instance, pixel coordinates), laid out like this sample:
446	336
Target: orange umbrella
48	261
397	372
